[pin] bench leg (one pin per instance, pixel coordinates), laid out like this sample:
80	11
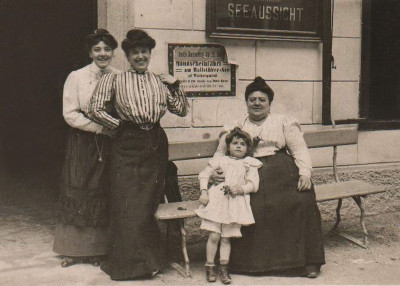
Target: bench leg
184	249
363	243
184	272
338	217
358	201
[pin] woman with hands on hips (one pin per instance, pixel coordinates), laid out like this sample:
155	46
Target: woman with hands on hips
133	102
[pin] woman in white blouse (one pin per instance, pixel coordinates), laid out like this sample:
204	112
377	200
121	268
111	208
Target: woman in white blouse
81	231
287	230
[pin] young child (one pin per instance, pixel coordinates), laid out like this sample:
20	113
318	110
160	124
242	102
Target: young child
226	207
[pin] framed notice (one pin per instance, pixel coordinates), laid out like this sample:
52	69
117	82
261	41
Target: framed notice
299	20
202	69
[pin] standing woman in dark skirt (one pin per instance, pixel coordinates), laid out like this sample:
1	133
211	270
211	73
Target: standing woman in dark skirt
81	233
133	103
287	231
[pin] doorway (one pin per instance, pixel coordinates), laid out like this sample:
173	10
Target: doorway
42	42
380	90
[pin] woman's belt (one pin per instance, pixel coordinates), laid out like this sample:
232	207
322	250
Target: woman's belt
141	126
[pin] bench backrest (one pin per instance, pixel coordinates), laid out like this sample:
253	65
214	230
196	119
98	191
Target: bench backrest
325	137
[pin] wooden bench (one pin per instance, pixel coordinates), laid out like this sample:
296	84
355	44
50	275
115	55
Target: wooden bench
324	137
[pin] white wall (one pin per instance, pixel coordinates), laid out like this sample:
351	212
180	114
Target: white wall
292	69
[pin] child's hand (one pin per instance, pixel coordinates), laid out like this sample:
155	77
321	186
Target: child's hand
236	190
203	197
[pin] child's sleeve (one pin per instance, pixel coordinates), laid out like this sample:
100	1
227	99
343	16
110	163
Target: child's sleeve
252	177
205	175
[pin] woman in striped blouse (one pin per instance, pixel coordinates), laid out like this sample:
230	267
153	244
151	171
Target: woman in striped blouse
133	103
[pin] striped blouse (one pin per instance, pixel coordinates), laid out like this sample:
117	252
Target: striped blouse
136	97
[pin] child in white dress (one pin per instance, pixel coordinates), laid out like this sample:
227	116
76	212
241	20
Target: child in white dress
226	206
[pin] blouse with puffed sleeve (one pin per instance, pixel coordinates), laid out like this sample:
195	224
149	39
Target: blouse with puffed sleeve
78	90
276	132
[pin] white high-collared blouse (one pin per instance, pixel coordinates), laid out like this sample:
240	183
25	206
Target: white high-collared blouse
78	90
276	132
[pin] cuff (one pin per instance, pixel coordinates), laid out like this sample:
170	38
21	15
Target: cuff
99	129
175	85
305	172
248	188
203	184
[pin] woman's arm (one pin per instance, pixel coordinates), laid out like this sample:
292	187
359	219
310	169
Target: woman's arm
72	112
299	151
101	103
221	149
204	176
176	99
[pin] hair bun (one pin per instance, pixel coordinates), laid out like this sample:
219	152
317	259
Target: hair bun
259	84
137	38
101	32
137	35
259	79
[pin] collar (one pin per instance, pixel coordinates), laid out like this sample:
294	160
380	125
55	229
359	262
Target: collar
136	72
96	70
257	123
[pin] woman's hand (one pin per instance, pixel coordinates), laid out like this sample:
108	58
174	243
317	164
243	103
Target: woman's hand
218	176
235	191
109	132
168	79
304	183
203	197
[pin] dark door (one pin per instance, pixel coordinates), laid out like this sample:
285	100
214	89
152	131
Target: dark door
384	93
41	43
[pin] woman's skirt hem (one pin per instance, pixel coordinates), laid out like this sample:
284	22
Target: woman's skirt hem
74	241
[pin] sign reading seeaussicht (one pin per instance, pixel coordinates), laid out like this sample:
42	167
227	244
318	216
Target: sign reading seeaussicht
202	69
270	19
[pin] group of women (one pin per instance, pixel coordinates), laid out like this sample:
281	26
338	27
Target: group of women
115	166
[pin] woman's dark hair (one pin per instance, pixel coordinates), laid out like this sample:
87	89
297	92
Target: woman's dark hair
239	133
100	35
259	84
137	38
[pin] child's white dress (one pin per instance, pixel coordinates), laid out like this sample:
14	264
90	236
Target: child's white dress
223	208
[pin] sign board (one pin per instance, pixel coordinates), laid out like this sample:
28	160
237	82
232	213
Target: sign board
202	69
299	20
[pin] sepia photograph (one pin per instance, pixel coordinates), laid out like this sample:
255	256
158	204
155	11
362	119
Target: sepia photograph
200	142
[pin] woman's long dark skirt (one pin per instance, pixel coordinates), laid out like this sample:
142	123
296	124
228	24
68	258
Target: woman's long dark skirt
138	165
287	230
82	228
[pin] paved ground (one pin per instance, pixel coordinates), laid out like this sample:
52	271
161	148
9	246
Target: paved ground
26	235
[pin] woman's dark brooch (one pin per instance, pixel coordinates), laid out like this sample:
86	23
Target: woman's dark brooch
256	141
226	190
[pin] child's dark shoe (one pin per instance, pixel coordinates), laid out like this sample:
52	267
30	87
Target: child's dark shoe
224	274
210	274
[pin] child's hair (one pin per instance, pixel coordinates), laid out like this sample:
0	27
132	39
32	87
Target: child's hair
239	133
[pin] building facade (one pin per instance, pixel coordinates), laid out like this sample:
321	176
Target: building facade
293	69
